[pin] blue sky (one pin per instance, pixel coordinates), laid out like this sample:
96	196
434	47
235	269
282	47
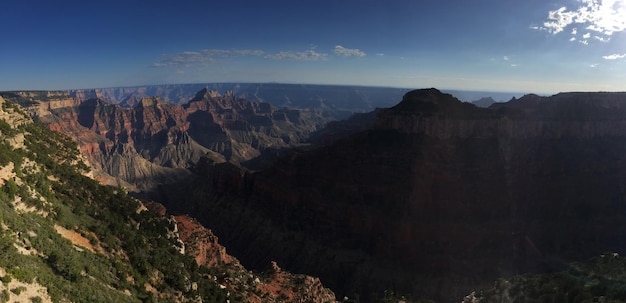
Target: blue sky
526	46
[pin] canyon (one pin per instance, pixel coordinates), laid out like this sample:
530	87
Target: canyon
157	142
431	197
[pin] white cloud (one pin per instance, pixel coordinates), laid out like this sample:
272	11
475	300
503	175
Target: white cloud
559	19
514	65
380	54
572	39
348	52
506	58
593	65
203	57
602	39
603	17
308	55
584	42
208	56
614	56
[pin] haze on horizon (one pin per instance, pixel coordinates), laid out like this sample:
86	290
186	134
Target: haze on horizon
530	46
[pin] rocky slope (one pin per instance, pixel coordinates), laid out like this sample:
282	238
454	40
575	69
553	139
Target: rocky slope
156	142
273	285
436	198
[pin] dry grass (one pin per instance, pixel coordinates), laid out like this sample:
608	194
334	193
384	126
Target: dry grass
77	239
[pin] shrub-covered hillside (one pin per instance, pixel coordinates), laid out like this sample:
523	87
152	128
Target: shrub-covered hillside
600	279
65	238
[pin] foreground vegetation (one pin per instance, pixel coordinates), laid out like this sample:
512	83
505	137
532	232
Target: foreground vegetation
132	255
600	279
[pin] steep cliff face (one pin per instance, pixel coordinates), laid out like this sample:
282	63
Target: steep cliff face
240	129
436	198
156	142
274	285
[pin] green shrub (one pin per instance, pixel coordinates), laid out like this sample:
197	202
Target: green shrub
23	275
4	296
6	130
11	188
18	290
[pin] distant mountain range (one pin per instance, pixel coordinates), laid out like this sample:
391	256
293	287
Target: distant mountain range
337	97
484	102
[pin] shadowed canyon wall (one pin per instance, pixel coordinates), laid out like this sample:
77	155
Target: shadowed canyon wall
437	198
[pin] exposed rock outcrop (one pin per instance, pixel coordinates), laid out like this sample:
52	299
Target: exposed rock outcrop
274	285
201	243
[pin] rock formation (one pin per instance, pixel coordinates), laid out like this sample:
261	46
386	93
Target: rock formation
156	142
274	285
